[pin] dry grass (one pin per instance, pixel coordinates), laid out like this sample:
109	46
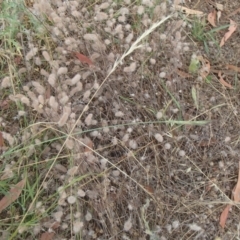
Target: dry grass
122	149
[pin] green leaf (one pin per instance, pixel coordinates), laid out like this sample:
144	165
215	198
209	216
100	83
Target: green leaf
194	96
194	65
208	79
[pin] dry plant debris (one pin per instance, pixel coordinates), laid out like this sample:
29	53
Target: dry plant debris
236	199
47	236
205	69
212	18
232	67
188	11
12	195
83	58
223	82
113	112
232	28
1	140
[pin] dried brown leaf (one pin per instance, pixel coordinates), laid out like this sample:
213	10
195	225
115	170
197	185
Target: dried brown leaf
48	92
12	196
83	58
236	190
205	69
18	60
1	140
232	28
232	67
89	147
149	189
207	142
47	236
234	12
236	198
212	17
223	82
4	104
224	216
55	225
183	74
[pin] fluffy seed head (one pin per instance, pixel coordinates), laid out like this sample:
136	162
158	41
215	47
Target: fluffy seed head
81	193
140	10
133	144
71	199
25	100
62	70
88	216
175	224
158	137
72	171
75	79
46	56
162	75
119	114
77	226
127	225
131	68
167	146
159	115
39	88
58	215
52	79
181	153
5	82
194	227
